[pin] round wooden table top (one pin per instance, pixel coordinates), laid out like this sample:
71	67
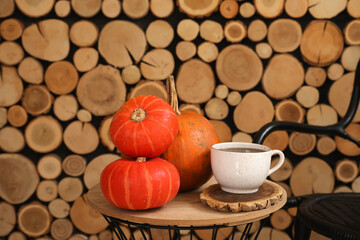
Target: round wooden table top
184	210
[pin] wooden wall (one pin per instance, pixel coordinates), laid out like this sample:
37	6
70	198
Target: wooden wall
67	66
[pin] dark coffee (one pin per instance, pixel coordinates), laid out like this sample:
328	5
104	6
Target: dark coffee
243	150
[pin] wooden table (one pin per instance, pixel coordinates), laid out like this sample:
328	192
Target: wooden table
185	211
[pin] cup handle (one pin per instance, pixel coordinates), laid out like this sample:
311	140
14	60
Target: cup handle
279	163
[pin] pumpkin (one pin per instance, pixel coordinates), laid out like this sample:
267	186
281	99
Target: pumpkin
190	151
144	126
139	185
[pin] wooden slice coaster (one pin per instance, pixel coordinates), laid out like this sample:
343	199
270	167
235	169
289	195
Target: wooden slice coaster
268	194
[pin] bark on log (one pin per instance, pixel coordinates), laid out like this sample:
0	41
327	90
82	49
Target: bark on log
289	110
216	109
325	145
351	32
257	30
229	9
47	40
135	9
131	74
188	29
74	165
61	229
296	8
241	137
335	71
198	9
302	143
247	10
208	52
65	107
195	82
84	115
7	8
43	134
349	57
122	42
49	166
185	50
263	50
86	59
61	77
161	8
280	219
35	9
284	172
269	9
308	96
211	31
11	29
47	190
104	133
253	112
70	188
34	220
321	115
283	76
345	146
222	130
31	70
148	87
8	218
315	76
11	86
277	140
234	98
324	9
238	67
86	8
353	8
59	208
62	8
284	35
157	64
11	139
84	33
11	53
322	43
81	138
319	177
112	95
159	34
346	170
235	31
111	8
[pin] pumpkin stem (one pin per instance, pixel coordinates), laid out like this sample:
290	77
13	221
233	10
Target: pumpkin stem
138	115
173	99
141	159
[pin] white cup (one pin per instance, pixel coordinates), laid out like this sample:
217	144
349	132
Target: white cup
242	167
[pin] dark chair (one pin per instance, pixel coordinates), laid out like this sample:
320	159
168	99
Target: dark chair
335	215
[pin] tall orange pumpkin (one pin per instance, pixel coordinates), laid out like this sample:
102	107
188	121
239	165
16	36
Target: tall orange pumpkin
190	151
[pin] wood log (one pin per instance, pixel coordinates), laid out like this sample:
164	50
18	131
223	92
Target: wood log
308	96
222	233
247	10
17	116
349	57
188	29
96	166
283	76
125	230
84	33
321	115
105	235
17	235
319	177
61	77
339	95
104	133
43	134
112	95
135	9
241	74
78	237
85	218
257	30
229	9
31	70
292	211
234	98
37	100
86	8
286	187
296	8
8	218
322	43
62	8
195	81
161	234
216	109
192	107
342	189
59	208
11	139
284	172
221	91
85	59
161	8
81	138
264	50
121	43
49	166
353	8
325	145
70	188
208	51
269	9
280	219
346	170
47	40
235	31
157	64
253	112
315	76
185	50
335	71
141	234
11	29
277	140
11	86
222	130
254	227
211	31
351	32
302	143
61	229
159	34
241	137
289	110
34	219
111	8
74	165
11	53
3	116
321	9
47	190
35	9
198	9
316	236
65	107
148	87
84	115
345	146
131	74
284	35
355	185
268	233
7	8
